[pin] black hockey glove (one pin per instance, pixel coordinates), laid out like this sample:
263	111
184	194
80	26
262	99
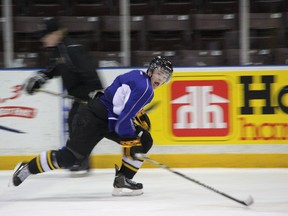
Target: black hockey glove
145	138
143	120
95	94
35	82
131	146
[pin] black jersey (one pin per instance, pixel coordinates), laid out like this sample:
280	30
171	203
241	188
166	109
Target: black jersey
72	62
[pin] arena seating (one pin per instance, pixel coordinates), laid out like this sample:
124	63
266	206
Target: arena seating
220	6
210	29
143	58
201	57
24	28
191	32
167	32
86	29
91	7
256	57
268	6
107	58
110	33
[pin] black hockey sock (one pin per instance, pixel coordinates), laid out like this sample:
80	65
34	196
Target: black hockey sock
44	162
128	170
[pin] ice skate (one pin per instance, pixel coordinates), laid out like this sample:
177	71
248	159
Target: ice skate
80	168
124	186
21	172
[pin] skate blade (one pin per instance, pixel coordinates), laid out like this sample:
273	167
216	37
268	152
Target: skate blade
10	183
80	173
126	192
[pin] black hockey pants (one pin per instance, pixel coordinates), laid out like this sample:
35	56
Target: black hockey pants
87	129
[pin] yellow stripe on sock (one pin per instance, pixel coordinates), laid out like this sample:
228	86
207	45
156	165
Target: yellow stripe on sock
130	167
39	164
52	167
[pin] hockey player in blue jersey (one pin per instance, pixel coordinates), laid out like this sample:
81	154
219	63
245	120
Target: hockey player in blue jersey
109	116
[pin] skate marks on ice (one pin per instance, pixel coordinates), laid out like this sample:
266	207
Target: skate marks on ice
164	193
59	185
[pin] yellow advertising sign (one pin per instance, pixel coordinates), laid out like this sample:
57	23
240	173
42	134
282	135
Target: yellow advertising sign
246	105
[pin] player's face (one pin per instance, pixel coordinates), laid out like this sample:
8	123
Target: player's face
50	40
159	77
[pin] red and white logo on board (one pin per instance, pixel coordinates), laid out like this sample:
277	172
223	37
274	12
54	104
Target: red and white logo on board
200	108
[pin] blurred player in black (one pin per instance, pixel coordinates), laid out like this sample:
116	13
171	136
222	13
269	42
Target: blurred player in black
71	61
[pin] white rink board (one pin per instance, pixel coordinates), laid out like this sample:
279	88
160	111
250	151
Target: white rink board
45	131
38	133
26	136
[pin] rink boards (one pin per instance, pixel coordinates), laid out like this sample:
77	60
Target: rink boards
205	117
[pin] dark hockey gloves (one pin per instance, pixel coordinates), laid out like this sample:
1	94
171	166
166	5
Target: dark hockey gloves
143	120
131	146
95	94
35	82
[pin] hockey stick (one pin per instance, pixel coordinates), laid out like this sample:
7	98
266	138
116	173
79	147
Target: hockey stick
60	95
147	110
247	202
10	129
151	107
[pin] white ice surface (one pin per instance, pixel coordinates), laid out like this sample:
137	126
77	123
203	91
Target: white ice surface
165	194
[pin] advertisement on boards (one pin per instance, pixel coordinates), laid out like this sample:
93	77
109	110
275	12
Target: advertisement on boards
29	124
247	105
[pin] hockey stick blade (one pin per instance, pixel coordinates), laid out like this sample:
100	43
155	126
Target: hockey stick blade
247	202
